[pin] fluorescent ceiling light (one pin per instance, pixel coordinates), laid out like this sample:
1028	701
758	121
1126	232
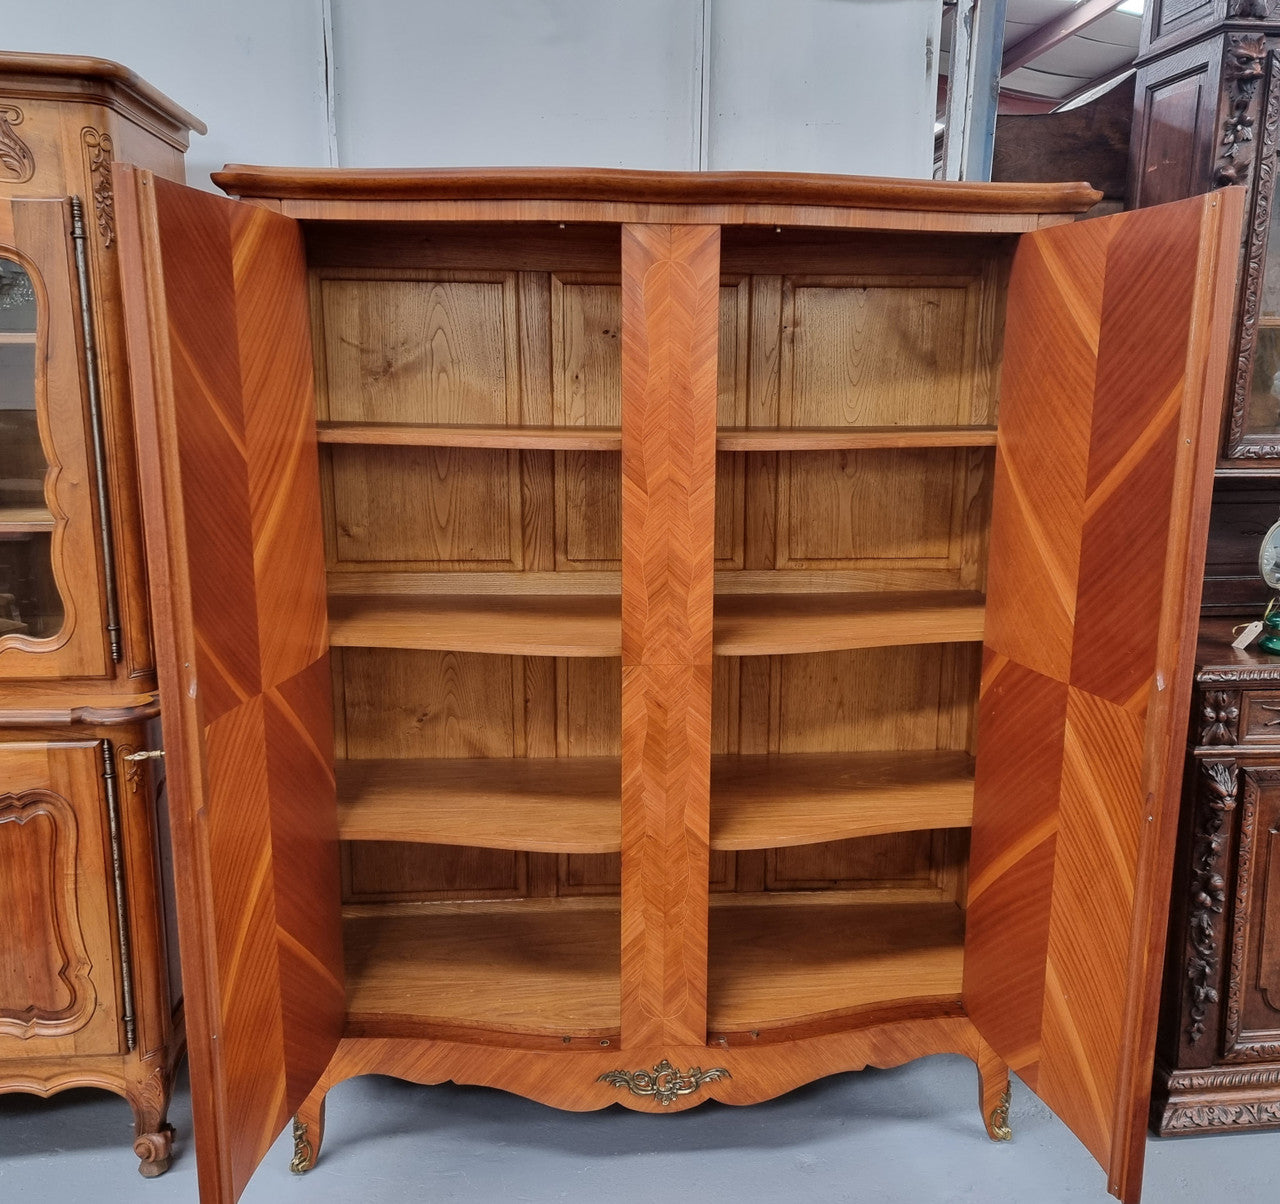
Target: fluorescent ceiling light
1131	6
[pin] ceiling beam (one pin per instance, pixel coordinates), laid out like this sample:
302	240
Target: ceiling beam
1045	37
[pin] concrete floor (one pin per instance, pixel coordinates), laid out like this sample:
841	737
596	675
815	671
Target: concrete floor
905	1136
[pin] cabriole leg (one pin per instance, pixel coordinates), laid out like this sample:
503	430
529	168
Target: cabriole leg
993	1094
152	1133
308	1132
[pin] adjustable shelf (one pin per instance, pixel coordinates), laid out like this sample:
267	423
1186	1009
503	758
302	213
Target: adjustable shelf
517	438
765	624
536	804
852	438
786	959
25	520
515	625
547	967
764	802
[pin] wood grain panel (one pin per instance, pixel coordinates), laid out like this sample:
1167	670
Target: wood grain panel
59	958
427	350
666	769
844	508
875	351
670	332
219	343
586	391
398	704
1109	415
426	506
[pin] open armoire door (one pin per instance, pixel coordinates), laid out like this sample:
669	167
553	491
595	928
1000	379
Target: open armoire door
1112	390
219	343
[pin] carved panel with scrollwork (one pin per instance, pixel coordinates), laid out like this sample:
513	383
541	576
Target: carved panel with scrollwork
99	151
1261	179
1216	800
48	993
17	163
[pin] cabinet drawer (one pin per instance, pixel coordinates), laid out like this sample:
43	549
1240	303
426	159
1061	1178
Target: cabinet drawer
1260	720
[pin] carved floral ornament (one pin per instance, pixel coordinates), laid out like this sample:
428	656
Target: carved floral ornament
1244	65
99	151
17	163
1219	714
1218	791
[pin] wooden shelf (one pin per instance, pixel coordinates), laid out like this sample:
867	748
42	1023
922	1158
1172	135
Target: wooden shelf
765	802
765	624
544	805
531	966
25	520
25	338
849	438
412	434
514	625
795	958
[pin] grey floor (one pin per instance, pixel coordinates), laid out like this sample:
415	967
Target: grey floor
910	1135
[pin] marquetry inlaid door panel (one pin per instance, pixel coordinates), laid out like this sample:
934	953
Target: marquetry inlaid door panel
223	382
1109	402
58	955
52	610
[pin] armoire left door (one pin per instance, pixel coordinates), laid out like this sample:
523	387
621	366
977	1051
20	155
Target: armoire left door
220	350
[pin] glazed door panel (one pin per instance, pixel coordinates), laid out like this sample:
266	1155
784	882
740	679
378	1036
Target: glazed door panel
1111	398
220	348
52	614
59	956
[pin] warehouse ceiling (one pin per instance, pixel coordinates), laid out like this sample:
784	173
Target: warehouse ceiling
1059	51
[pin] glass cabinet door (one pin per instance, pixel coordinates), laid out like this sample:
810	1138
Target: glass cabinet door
51	606
30	603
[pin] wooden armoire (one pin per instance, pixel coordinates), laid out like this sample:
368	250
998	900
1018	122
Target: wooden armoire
88	995
1206	116
645	638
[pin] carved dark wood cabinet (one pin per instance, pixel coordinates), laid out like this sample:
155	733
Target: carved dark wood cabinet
1207	114
87	998
1219	1052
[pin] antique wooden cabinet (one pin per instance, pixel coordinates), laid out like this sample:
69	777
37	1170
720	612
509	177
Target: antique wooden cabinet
87	997
1207	114
571	592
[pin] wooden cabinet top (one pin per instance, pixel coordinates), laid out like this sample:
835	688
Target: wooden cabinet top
612	194
100	81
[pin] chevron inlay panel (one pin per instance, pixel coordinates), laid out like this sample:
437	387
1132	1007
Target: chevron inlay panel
1102	413
234	423
670	332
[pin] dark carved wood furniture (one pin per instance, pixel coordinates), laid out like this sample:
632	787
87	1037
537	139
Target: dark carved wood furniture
570	594
1219	1050
87	996
1207	114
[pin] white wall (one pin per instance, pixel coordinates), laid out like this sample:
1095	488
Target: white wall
799	85
252	70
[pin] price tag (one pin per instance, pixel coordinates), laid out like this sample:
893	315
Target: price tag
1248	635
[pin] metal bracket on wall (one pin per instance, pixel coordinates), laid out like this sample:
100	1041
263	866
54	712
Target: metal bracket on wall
78	237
